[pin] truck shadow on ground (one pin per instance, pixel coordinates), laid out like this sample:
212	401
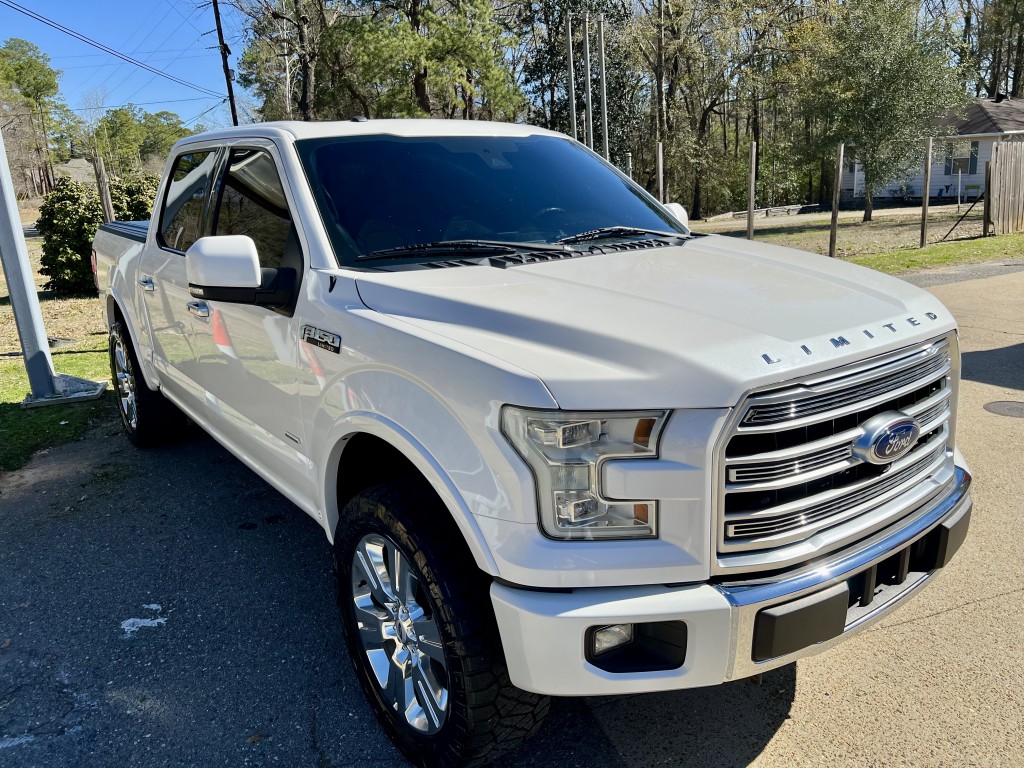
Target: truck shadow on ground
727	725
237	656
1002	367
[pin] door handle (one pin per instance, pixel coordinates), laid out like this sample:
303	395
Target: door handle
147	283
198	308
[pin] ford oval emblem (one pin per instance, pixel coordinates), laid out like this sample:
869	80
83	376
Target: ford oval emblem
886	437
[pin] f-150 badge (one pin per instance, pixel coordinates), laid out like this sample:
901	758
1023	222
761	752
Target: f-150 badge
323	339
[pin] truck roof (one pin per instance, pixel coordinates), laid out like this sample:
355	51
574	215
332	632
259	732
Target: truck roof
411	127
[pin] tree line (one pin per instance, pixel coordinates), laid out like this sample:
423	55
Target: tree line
705	77
40	131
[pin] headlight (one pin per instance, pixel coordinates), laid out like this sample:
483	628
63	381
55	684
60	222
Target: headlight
566	450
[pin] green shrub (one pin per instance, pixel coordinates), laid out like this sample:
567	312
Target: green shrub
133	195
68	219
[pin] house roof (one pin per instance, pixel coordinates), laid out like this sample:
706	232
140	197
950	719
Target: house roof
985	117
77	169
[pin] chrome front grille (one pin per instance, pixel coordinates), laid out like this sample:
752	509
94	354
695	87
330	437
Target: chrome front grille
792	485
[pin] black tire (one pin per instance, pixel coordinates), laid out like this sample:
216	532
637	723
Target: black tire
453	634
148	417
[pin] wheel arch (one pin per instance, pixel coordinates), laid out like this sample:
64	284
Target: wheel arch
371	450
115	312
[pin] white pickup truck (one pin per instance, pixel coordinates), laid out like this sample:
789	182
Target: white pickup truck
561	444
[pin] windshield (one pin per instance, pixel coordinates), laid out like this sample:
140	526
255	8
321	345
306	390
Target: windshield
377	193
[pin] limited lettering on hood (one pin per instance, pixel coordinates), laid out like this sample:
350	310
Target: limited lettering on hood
836	342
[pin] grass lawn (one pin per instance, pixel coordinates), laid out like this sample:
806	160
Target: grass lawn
891	230
23	431
78	341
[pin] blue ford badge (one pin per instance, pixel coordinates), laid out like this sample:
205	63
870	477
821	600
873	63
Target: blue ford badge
886	437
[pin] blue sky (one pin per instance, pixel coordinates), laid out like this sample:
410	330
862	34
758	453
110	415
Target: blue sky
166	34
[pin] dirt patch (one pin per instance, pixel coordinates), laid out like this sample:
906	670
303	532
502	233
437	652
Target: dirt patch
77	322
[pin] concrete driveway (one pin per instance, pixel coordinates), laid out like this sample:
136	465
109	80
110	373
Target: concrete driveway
167	608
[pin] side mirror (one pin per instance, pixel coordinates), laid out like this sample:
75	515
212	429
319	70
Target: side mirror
679	213
227	268
223	267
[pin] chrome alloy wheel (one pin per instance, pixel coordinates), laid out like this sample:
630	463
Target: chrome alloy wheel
399	634
125	383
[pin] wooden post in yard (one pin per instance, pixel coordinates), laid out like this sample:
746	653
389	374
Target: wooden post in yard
836	188
751	190
926	192
104	187
987	192
661	173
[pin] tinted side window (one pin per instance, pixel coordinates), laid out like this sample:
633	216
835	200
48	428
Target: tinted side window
253	203
182	213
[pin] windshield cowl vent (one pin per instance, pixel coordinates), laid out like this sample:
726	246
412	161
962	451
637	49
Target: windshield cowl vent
536	257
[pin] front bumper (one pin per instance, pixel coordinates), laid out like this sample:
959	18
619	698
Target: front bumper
729	631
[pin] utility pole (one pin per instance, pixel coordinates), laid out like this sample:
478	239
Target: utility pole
586	65
604	88
572	76
224	51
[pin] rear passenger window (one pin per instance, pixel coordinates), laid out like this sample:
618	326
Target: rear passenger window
253	203
181	218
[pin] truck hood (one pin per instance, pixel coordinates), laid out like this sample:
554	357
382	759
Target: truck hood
688	326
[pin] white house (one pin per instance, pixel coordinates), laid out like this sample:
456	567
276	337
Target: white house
958	164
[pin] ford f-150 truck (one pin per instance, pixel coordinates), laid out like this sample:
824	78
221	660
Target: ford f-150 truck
561	444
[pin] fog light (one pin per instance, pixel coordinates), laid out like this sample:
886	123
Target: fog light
611	637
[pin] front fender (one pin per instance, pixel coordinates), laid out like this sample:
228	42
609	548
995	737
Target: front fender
453	441
428	465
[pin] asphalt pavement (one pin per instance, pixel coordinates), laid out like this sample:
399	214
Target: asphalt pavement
168	608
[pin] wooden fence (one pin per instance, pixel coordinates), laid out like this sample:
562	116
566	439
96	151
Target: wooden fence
1006	187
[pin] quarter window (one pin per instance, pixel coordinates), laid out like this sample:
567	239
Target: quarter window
253	203
181	219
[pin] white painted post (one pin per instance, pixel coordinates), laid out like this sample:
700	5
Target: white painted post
959	181
28	318
47	388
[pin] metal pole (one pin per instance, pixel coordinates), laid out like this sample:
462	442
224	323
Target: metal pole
224	51
629	164
926	192
28	318
586	64
572	75
604	89
47	388
836	187
959	187
661	174
751	190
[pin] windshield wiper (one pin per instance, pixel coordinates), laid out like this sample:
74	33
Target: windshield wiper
496	247
617	231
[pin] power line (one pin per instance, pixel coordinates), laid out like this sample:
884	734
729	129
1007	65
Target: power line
97	55
218	104
143	103
89	41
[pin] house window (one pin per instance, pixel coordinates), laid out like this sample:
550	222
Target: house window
961	157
